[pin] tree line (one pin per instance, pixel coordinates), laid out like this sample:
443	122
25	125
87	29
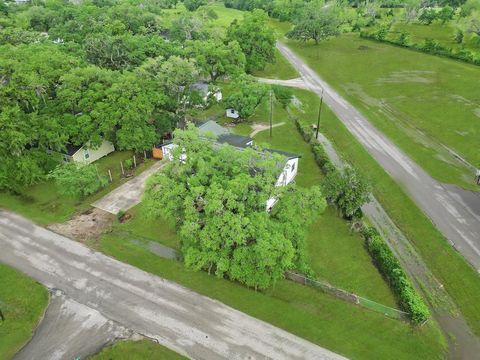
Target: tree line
114	70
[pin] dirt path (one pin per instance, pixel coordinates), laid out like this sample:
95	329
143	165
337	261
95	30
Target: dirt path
457	219
86	226
463	343
262	127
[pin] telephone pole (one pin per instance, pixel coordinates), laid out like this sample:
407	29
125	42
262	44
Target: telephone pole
319	114
271	113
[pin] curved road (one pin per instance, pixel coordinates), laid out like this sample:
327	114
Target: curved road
456	213
120	294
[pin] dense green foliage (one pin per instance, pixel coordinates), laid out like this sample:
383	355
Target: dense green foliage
393	272
256	39
317	22
217	197
76	180
283	95
247	95
73	73
348	190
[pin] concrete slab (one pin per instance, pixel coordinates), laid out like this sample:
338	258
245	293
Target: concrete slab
129	194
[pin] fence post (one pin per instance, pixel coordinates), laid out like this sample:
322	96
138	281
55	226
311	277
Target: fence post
121	165
134	161
110	175
144	154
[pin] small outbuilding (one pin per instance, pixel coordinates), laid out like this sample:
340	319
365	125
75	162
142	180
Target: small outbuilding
232	113
87	154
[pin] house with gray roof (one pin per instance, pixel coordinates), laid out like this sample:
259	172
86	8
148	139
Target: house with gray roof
289	167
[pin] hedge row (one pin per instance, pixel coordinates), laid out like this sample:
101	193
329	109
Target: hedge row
429	46
391	269
321	157
381	254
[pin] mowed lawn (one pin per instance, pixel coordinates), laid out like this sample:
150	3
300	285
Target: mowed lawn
443	33
45	205
22	301
459	278
136	350
422	102
320	318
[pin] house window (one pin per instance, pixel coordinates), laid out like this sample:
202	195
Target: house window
86	154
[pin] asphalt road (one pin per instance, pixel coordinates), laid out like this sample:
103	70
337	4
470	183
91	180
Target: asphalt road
455	212
70	329
182	320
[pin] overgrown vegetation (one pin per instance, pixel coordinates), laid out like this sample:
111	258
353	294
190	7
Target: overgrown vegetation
218	196
78	73
396	277
349	190
76	180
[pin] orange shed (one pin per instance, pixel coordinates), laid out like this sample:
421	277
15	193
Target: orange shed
157	153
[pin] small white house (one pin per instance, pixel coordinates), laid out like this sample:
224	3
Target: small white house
85	154
232	113
207	91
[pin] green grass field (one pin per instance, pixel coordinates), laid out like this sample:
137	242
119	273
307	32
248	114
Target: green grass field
443	33
421	102
280	69
458	277
136	350
340	326
22	302
45	205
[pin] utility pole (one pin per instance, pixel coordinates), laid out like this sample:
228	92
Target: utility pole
271	113
319	114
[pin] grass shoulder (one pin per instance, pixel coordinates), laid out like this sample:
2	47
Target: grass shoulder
136	350
459	278
22	302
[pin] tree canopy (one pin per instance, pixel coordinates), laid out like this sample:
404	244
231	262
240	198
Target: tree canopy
246	96
256	39
317	21
217	198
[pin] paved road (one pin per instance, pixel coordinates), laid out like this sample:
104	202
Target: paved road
70	329
176	317
129	194
455	212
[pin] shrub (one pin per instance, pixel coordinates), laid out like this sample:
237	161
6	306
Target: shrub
283	95
391	269
348	190
128	164
322	158
76	180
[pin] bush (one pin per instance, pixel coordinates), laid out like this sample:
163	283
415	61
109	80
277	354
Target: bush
283	95
76	180
429	46
304	130
348	190
391	269
322	159
128	164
